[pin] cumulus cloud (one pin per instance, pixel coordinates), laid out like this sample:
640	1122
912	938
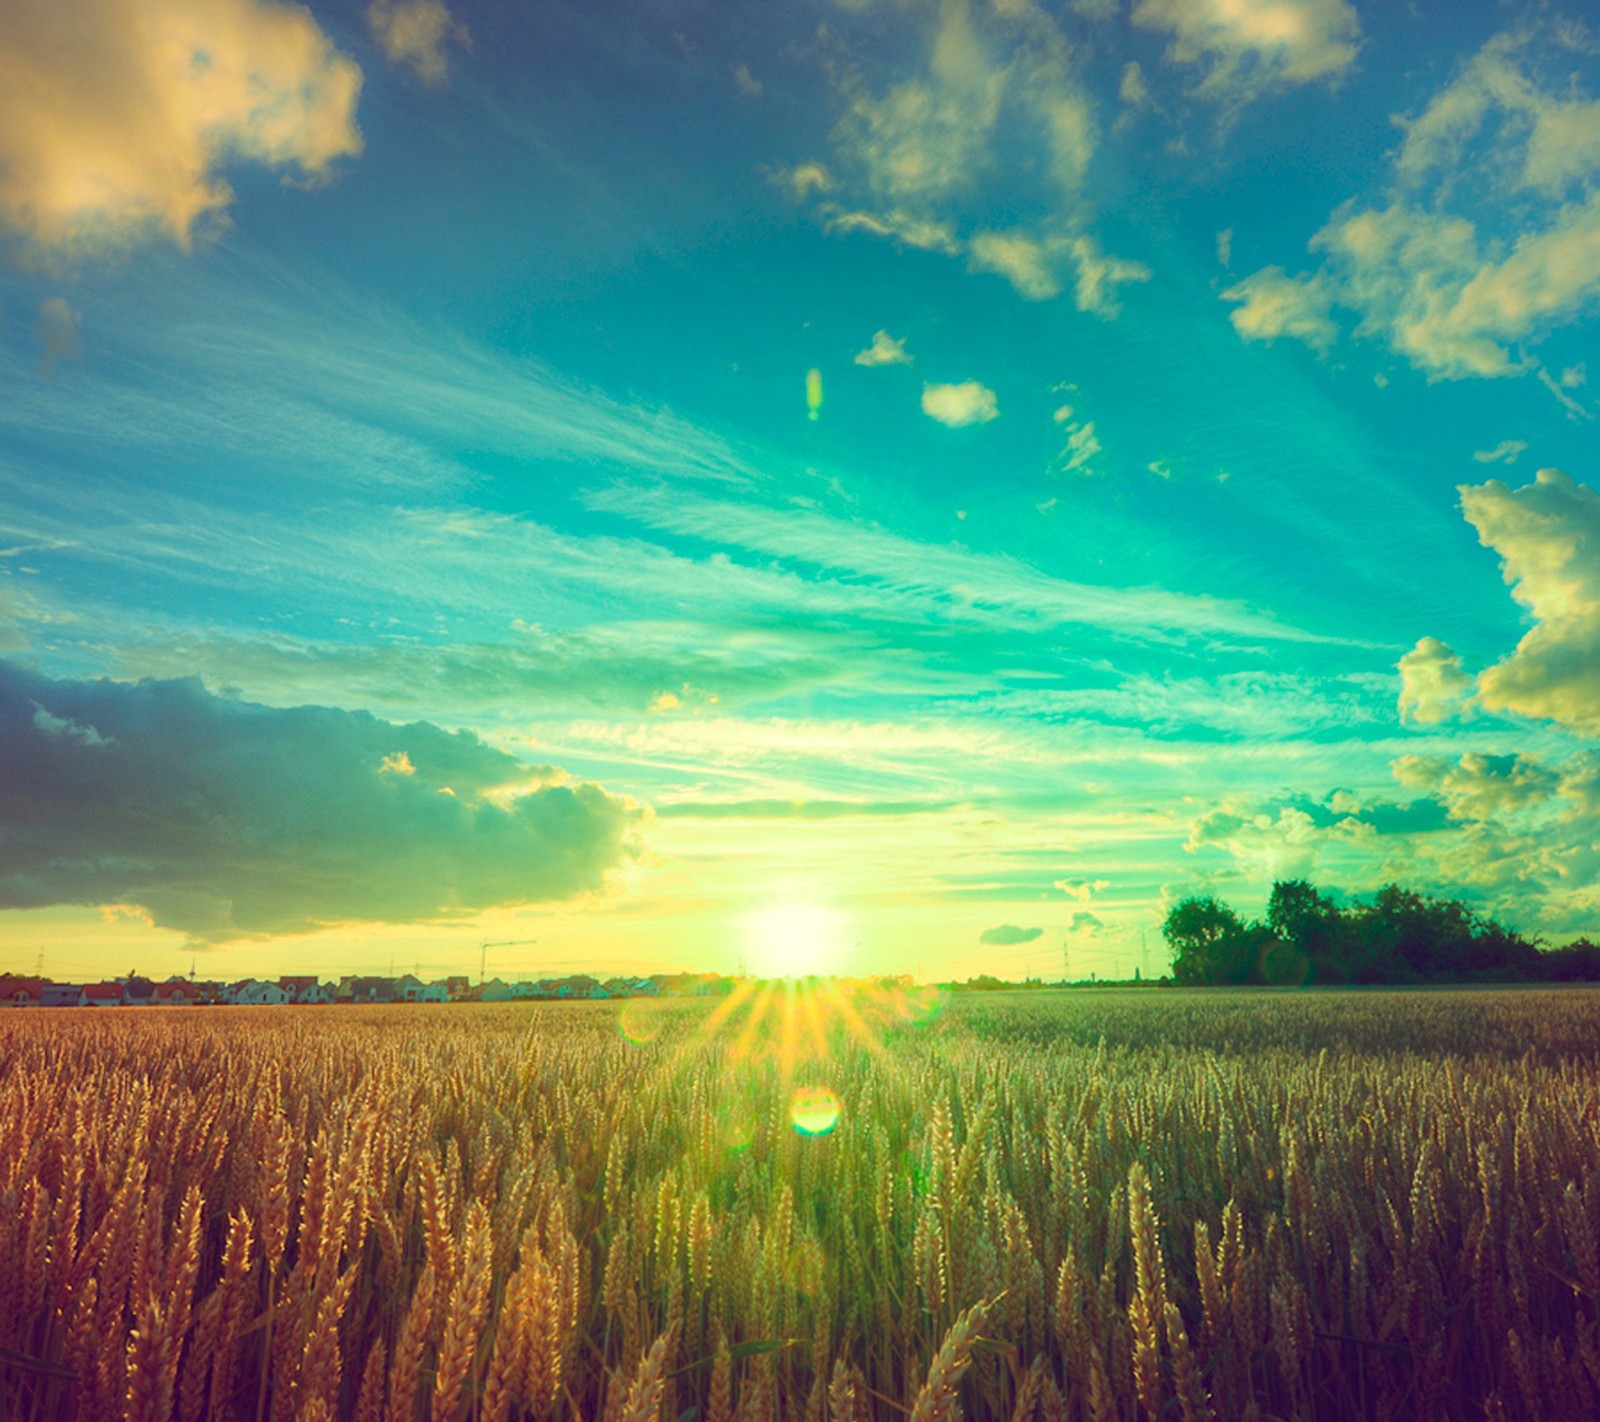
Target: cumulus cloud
57	331
1548	537
884	350
1273	304
1463	295
1506	452
117	120
414	33
1022	260
1252	47
1086	924
969	403
224	819
997	95
64	729
1008	935
1433	684
1081	889
1276	841
926	137
1478	786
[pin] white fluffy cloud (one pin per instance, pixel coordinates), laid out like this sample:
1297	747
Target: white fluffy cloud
927	137
414	33
968	403
1250	47
117	119
1026	262
1478	786
1433	684
998	95
884	350
1548	537
1271	842
1458	292
1272	304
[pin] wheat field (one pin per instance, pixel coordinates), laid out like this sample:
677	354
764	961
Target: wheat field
816	1205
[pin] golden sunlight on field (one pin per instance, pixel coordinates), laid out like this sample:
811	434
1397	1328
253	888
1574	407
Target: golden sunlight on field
806	1204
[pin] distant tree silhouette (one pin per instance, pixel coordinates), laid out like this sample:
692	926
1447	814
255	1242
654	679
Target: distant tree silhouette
1209	943
1399	936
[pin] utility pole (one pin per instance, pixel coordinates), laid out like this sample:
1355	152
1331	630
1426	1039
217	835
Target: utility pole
487	944
1066	962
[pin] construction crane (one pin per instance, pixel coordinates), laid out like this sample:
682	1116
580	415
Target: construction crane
487	944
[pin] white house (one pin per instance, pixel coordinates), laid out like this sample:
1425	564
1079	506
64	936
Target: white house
256	994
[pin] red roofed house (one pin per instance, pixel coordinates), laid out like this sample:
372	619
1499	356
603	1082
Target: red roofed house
103	995
21	992
175	992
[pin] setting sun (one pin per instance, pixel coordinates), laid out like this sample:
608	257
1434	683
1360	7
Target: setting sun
795	940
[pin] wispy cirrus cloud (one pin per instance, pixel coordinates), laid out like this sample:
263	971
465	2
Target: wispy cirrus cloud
924	579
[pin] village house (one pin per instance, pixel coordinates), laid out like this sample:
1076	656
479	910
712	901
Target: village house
175	992
63	995
251	993
367	990
103	995
21	992
307	989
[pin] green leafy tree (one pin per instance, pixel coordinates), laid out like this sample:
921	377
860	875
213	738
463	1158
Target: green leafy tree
1209	943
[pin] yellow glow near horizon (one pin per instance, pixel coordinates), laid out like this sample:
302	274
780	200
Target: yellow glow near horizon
795	940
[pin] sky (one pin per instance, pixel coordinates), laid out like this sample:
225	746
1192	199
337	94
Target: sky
857	485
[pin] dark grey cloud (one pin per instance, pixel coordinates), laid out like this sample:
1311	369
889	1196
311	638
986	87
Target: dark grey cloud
1007	935
224	819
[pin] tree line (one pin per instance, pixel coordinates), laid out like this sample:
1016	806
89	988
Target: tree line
1397	936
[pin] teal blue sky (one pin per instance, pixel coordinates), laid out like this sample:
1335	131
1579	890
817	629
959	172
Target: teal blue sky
875	486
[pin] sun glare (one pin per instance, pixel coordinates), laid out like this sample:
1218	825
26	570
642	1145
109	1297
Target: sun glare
795	940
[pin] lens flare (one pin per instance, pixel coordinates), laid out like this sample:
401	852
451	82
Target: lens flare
640	1020
813	393
814	1110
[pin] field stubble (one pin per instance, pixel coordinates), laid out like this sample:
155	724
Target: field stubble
1077	1206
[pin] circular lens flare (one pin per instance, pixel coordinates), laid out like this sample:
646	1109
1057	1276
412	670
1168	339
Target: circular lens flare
640	1021
814	1110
